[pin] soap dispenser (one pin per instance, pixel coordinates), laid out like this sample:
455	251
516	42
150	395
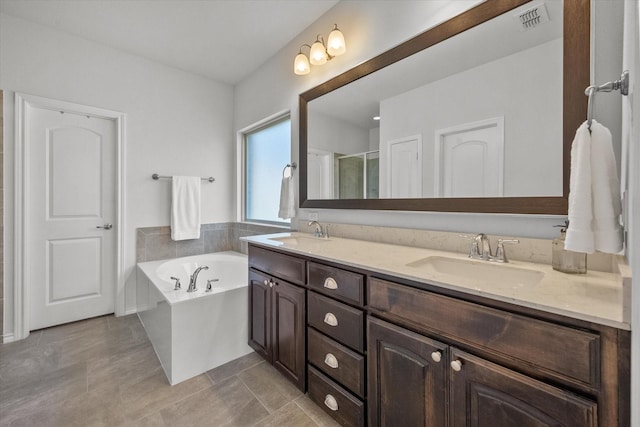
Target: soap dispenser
564	260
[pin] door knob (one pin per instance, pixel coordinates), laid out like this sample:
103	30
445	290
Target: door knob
106	226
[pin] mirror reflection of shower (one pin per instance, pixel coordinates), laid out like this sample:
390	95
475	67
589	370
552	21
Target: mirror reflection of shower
357	176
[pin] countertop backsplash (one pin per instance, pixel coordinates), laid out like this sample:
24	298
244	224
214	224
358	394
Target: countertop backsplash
529	249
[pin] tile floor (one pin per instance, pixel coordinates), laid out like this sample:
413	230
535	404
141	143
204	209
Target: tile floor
104	372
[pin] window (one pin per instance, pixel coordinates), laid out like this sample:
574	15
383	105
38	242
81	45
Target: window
267	149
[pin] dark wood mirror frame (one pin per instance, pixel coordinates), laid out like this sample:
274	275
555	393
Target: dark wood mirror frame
576	77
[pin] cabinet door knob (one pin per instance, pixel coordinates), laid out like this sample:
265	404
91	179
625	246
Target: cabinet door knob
331	402
330	283
331	361
456	365
331	319
436	356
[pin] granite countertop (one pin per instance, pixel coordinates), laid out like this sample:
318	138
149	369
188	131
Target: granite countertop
598	297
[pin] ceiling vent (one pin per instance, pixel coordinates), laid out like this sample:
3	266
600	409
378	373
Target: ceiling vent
532	17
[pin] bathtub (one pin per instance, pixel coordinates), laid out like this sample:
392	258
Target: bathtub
193	332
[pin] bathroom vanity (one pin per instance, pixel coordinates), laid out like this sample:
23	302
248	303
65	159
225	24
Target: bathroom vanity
381	334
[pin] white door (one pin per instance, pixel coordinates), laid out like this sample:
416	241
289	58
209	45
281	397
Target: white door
70	263
469	160
319	174
404	167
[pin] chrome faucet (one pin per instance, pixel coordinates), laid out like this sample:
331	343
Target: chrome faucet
501	255
481	248
194	278
321	231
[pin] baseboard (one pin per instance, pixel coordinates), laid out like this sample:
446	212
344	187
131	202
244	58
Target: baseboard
130	310
7	338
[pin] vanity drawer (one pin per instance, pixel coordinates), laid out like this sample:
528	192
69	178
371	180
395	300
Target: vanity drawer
337	361
337	320
561	352
335	282
348	410
280	265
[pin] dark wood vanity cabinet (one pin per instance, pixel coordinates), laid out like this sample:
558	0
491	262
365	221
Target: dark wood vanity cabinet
407	377
393	352
496	367
336	347
483	393
277	319
411	377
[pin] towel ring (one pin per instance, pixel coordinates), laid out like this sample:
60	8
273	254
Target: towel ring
293	167
622	85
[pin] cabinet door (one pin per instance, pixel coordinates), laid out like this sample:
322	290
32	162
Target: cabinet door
485	394
288	323
407	383
260	314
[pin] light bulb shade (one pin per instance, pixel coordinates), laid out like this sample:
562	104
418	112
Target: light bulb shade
335	43
318	54
301	65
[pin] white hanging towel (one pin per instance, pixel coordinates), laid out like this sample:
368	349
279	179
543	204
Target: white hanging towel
185	208
594	193
287	198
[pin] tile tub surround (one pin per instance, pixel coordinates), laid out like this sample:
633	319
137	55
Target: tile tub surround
104	372
154	243
598	297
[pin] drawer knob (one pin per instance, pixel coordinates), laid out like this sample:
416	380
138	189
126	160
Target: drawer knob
330	283
331	319
331	402
436	356
331	361
456	365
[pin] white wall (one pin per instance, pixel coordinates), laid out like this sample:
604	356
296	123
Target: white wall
532	129
177	124
370	28
338	136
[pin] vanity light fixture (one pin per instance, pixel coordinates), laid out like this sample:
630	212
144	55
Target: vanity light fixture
319	53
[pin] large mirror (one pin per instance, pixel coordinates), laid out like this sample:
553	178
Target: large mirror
474	115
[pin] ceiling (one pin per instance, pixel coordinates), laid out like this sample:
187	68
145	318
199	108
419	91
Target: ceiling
225	40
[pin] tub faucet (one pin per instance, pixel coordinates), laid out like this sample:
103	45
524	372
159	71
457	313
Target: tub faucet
194	278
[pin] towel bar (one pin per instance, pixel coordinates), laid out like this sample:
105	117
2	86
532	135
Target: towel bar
157	177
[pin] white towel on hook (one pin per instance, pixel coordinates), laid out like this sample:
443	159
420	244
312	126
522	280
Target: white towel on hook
594	193
287	198
185	208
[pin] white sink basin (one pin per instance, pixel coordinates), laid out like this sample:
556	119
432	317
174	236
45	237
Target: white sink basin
479	271
301	240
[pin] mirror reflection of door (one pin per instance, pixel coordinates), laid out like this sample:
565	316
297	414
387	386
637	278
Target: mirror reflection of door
404	167
320	167
469	160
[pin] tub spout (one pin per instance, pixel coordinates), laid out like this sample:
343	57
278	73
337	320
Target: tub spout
194	278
